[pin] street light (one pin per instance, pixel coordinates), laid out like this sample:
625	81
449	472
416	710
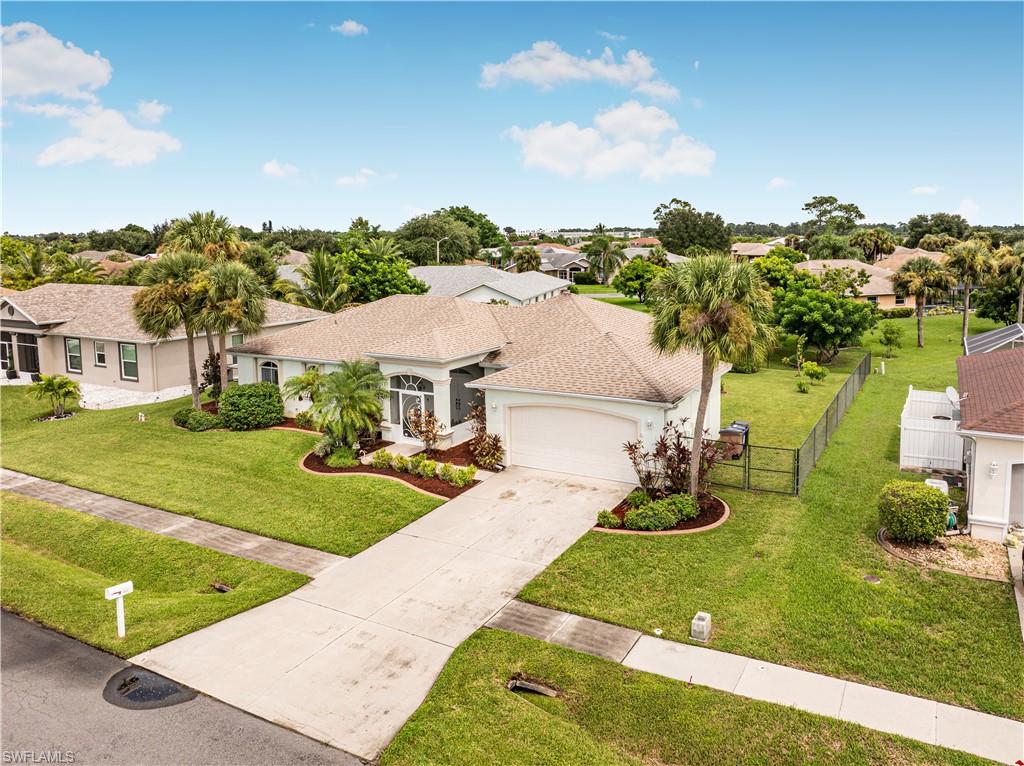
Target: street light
439	248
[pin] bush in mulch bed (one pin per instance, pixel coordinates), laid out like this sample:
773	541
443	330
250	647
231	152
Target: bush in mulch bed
251	405
434	485
658	515
460	454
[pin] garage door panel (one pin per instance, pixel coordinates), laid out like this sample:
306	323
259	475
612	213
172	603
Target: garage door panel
571	440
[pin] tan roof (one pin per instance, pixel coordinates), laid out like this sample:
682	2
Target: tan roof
105	311
992	385
568	344
901	255
751	249
879	279
99	255
295	258
644	242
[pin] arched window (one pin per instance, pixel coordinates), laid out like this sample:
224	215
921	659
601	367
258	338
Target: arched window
409	392
268	372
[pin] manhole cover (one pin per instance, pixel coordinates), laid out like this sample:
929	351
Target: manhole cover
139	689
873	579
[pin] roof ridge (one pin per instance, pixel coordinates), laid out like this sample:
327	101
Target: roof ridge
620	341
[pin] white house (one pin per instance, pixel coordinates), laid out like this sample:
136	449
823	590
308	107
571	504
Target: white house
565	381
485	284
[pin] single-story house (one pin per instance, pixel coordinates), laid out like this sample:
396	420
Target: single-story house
879	289
1011	336
562	263
102	255
88	332
643	252
565	382
484	284
644	242
901	255
750	250
992	424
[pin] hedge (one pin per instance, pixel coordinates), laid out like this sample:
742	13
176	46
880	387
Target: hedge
912	512
251	405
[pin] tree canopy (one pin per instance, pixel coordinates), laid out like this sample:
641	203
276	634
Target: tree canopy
828	321
487	231
681	225
378	271
419	237
831	215
952	224
635	278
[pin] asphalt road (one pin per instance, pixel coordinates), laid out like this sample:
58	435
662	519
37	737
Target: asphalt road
52	703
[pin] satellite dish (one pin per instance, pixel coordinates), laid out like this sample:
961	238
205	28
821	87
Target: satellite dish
953	396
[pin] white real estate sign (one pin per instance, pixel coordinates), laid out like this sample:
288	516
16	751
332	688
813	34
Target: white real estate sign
118	592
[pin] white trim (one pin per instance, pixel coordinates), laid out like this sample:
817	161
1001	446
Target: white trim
95	353
431	359
598	397
121	360
991	435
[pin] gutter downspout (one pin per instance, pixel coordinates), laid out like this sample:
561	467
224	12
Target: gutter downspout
969	489
153	365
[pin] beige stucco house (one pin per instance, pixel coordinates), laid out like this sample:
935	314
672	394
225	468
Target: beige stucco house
564	381
879	289
88	333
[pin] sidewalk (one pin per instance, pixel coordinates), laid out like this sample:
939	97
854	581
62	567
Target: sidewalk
246	545
935	723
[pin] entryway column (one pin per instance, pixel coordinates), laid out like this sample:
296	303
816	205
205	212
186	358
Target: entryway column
443	402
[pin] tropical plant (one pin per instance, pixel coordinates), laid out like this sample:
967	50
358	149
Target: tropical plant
971	263
59	389
486	448
926	280
874	242
308	385
170	300
26	269
383	247
323	285
349	403
606	255
937	243
829	246
635	278
74	269
658	256
206	233
890	335
1010	267
424	425
234	299
378	272
828	321
527	259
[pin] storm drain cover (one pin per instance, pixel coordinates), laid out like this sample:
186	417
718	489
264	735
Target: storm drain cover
139	689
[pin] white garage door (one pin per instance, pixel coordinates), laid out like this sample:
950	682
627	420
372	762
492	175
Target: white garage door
571	441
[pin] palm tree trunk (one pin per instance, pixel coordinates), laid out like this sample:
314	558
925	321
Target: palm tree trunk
1020	304
920	321
209	343
223	351
967	304
707	377
193	376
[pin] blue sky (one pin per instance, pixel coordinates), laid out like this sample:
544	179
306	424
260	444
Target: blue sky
137	112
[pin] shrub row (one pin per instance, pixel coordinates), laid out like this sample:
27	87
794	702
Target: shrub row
902	312
196	420
652	515
419	465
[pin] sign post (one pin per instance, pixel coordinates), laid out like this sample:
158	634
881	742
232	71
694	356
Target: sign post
118	592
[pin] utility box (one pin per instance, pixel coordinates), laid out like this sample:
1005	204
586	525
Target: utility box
700	628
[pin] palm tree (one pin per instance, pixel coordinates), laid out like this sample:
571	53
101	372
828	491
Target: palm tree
527	259
206	233
658	256
323	285
718	308
383	247
75	269
29	270
925	280
507	256
235	298
309	384
970	262
606	255
874	242
58	389
1011	267
349	403
172	298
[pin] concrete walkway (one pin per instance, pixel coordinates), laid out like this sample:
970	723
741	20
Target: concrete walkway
935	723
350	656
246	545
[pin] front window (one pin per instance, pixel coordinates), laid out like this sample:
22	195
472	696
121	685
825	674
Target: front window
73	354
873	300
901	300
236	340
6	352
129	357
99	349
408	393
268	372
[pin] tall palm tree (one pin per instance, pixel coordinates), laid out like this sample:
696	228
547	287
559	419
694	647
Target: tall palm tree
234	298
606	255
527	259
1011	267
658	256
206	233
719	309
971	263
323	286
925	280
383	247
349	402
874	242
58	389
506	256
172	298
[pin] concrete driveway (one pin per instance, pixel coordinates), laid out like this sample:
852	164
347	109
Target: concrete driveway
349	657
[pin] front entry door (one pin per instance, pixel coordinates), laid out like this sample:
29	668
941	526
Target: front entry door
28	353
409	401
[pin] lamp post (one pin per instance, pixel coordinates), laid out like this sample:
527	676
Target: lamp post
439	248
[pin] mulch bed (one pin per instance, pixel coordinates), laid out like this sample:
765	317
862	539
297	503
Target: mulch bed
50	418
316	464
712	510
959	554
460	454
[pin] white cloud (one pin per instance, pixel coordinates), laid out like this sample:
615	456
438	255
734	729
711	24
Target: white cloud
35	63
696	65
151	112
925	190
279	169
363	177
546	65
106	134
969	209
613	38
778	182
350	28
48	110
624	139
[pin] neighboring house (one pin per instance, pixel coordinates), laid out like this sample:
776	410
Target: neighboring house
88	332
992	424
750	250
1011	336
101	255
901	255
565	381
562	263
483	284
878	290
644	242
643	252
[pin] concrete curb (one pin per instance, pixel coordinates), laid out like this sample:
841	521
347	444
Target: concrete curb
371	475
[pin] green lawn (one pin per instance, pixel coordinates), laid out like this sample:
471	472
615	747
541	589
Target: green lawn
783	578
595	289
629	303
57	562
609	714
248	480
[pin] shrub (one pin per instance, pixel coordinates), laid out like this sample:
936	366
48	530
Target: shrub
381	459
326	446
912	512
637	499
608	520
252	405
447	473
400	463
684	506
890	335
745	367
814	371
415	462
210	378
424	425
488	452
901	312
180	417
342	457
465	476
427	469
652	517
305	420
585	278
803	386
940	311
198	420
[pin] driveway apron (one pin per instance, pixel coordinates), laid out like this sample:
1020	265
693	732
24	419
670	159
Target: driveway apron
347	658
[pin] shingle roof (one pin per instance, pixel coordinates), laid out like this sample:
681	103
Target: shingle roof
1011	335
879	280
568	344
751	249
455	280
643	252
295	258
901	255
992	387
105	311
